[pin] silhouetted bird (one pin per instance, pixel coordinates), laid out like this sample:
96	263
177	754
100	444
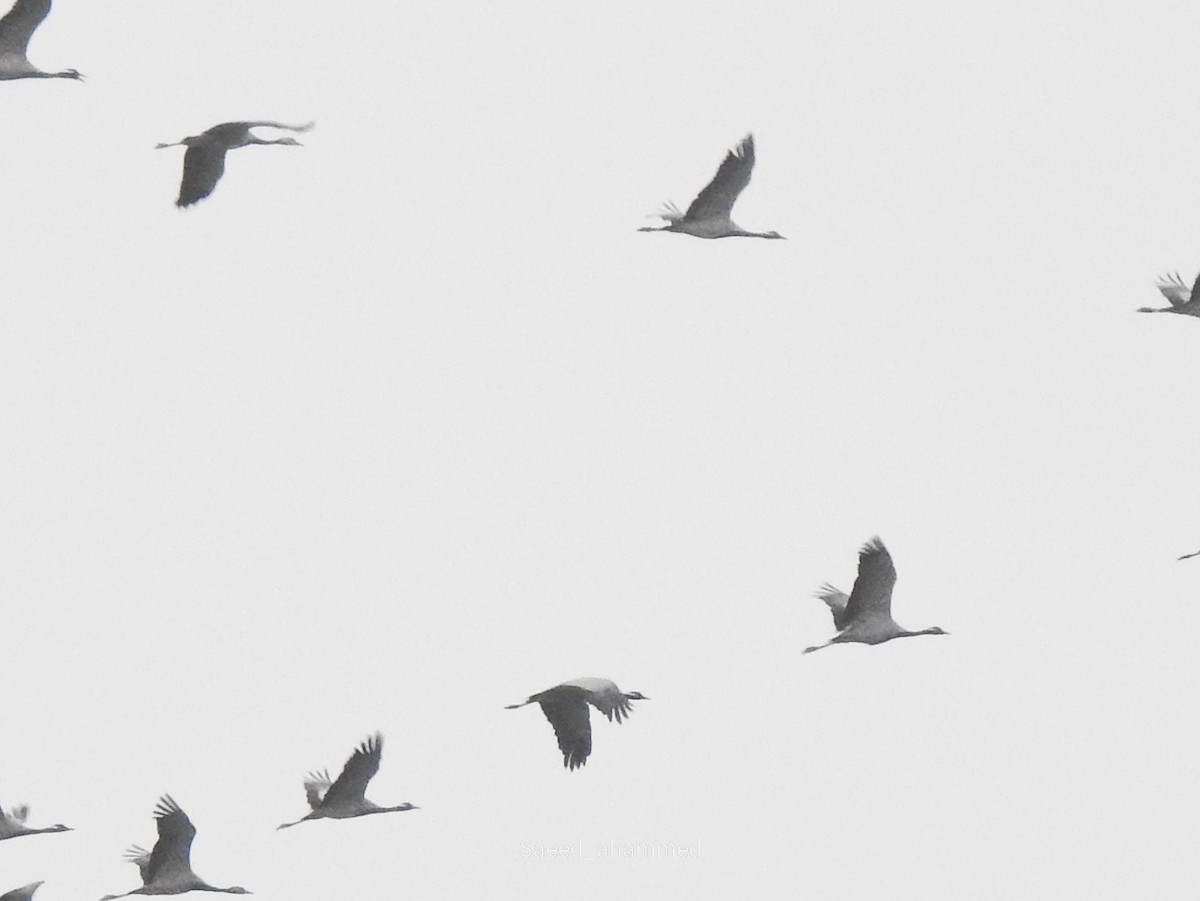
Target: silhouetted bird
708	216
168	871
566	708
866	614
204	161
345	797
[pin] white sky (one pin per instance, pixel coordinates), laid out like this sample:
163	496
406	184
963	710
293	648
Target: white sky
406	424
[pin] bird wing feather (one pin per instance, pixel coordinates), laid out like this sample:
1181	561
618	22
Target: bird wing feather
315	786
836	599
1194	296
8	826
1174	290
171	858
267	123
612	703
871	595
717	199
203	166
24	893
19	24
568	714
351	785
139	857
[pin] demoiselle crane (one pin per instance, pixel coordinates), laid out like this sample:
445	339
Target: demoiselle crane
344	797
16	28
12	824
168	870
865	615
204	161
708	216
566	707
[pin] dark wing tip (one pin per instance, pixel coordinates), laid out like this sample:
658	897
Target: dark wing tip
873	545
166	806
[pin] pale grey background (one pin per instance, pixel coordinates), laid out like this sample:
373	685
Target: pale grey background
403	425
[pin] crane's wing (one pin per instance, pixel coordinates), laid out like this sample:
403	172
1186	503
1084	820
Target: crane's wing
351	785
266	123
316	784
717	199
568	714
24	893
872	591
203	166
139	857
611	703
836	600
171	858
20	23
1174	290
234	134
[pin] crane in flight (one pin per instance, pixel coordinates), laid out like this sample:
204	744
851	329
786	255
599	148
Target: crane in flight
344	797
16	28
566	707
12	824
1182	300
204	160
167	870
865	615
708	215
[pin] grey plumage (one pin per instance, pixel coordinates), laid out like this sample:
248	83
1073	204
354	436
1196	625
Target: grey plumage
709	214
865	615
345	797
566	707
204	160
168	870
16	28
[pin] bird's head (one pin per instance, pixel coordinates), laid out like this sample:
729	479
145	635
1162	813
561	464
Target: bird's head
774	235
59	827
238	890
291	142
636	696
71	73
936	630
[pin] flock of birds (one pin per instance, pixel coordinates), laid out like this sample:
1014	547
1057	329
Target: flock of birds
863	616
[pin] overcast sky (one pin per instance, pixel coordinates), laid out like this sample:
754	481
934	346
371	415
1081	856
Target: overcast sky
405	424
